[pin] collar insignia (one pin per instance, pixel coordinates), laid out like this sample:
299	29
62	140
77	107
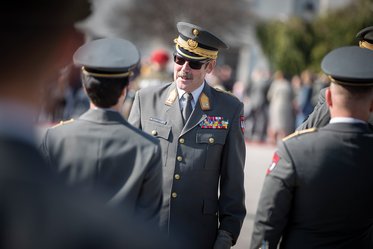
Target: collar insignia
171	97
204	102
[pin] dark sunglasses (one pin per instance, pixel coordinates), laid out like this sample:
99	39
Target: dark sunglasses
193	64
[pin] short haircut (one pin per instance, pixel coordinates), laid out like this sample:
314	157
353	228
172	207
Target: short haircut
104	92
358	91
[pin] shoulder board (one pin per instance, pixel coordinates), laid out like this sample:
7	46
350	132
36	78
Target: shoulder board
63	122
224	91
299	133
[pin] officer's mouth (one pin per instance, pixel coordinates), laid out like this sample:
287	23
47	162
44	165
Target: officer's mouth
185	76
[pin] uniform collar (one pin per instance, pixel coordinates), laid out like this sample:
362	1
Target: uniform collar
98	115
196	93
346	120
204	96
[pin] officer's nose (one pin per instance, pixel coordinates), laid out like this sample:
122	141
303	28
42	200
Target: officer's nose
186	66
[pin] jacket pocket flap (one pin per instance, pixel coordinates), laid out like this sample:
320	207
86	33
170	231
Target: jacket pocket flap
158	130
211	137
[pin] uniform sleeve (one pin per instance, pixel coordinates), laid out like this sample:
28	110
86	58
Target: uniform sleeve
150	199
274	202
320	115
44	148
232	194
134	117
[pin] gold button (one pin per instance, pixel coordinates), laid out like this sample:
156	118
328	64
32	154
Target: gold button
154	133
211	140
181	140
174	195
177	177
179	158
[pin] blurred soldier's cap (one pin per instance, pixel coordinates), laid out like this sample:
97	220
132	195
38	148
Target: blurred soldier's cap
160	56
107	57
365	37
196	43
350	66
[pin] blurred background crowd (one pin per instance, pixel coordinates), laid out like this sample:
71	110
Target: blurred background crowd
272	65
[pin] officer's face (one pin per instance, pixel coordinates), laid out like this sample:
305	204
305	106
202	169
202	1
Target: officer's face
189	79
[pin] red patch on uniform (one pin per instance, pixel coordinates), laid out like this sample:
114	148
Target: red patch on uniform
242	123
275	160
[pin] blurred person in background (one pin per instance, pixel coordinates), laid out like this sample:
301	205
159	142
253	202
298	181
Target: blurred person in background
303	101
281	112
257	114
156	73
66	98
226	77
153	72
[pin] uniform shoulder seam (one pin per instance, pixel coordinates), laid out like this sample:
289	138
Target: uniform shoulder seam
63	123
297	133
224	91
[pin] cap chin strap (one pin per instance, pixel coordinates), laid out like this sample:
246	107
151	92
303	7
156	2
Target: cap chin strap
365	44
107	75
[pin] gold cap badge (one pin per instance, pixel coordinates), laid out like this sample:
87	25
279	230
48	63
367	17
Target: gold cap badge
192	44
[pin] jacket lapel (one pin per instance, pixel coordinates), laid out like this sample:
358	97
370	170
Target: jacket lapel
172	109
198	115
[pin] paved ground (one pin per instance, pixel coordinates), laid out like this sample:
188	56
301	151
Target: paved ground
258	158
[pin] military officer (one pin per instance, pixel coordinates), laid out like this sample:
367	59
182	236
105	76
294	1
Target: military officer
101	152
320	116
317	192
200	131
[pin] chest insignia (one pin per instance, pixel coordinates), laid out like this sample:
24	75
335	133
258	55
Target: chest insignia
214	122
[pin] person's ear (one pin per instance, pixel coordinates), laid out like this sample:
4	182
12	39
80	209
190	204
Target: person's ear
124	92
328	97
210	66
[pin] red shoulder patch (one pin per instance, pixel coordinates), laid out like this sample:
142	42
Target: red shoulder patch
275	160
242	123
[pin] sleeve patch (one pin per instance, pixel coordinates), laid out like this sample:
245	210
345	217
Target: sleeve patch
242	123
275	160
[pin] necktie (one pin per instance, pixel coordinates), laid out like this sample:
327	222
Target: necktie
187	110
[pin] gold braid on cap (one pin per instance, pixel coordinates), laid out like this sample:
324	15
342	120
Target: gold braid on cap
365	44
343	83
107	75
192	46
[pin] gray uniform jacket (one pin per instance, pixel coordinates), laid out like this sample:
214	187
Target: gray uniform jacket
102	153
318	191
195	158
